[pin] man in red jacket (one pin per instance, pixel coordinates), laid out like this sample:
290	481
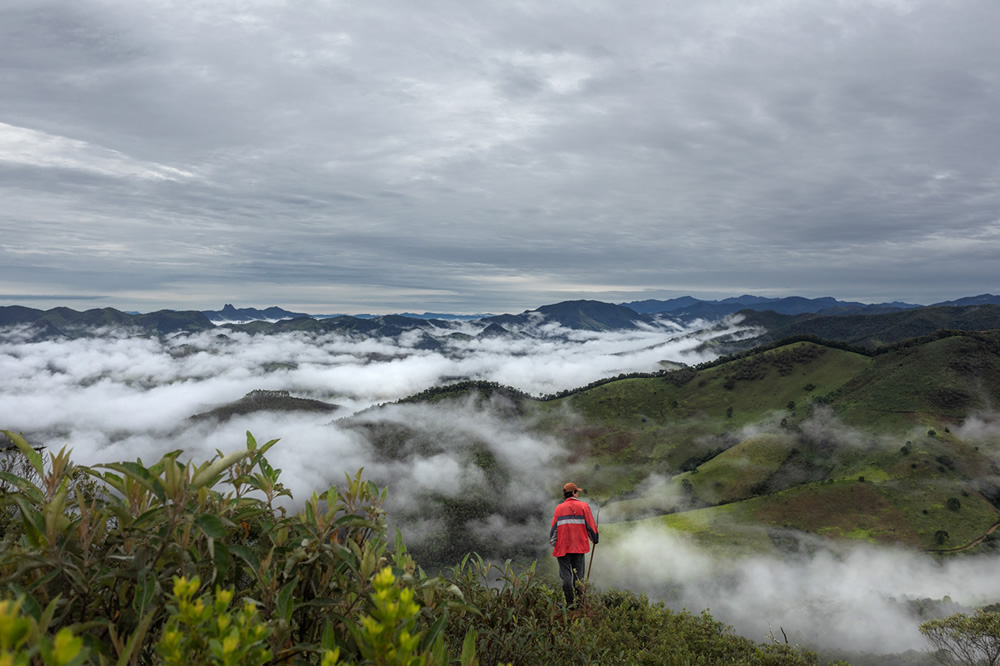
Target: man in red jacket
573	528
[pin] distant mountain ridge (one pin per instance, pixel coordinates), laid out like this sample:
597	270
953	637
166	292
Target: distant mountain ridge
599	315
579	315
229	313
871	331
828	318
63	321
687	308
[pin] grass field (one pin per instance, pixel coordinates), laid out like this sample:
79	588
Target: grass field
800	438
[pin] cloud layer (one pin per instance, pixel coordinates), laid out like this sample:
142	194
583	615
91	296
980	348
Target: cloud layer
124	397
859	599
335	157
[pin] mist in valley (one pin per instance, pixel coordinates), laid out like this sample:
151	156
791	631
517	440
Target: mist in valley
118	397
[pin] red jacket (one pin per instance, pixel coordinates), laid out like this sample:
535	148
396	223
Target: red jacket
572	526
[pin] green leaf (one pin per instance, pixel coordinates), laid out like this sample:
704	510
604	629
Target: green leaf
435	631
30	490
33	521
329	638
33	456
147	517
28	604
310	517
285	604
145	591
321	602
136	639
439	653
247	555
211	525
141	475
46	617
207	473
109	478
222	559
68	649
266	469
262	450
368	562
469	648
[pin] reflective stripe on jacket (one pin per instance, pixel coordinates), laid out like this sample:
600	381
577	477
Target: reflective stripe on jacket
573	528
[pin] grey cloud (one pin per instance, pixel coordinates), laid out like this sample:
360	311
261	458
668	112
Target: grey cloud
687	148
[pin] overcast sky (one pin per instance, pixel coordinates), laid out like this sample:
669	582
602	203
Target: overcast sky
458	156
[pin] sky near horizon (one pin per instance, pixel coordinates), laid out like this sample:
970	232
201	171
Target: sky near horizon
473	157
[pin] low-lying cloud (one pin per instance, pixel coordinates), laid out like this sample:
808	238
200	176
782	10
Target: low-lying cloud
857	598
121	396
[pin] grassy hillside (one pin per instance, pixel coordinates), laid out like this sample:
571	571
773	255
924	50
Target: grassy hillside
809	439
673	423
937	381
933	518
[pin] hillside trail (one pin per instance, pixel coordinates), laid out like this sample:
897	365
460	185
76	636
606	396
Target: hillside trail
978	540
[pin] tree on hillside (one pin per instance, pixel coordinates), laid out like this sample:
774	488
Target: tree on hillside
973	640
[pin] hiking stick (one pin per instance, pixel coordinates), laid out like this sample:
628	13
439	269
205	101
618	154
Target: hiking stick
597	524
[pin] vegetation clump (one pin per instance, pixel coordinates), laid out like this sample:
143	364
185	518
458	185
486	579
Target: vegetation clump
966	639
180	563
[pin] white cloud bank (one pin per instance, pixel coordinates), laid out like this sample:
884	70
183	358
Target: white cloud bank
849	598
122	397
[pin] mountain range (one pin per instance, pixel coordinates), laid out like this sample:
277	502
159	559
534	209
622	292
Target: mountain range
684	308
768	320
231	314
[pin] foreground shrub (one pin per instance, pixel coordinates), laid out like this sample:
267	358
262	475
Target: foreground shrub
204	630
516	616
180	563
24	640
101	558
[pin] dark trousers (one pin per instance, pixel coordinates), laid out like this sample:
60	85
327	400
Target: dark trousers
571	571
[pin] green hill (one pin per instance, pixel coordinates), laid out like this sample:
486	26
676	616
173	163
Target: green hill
870	451
936	380
263	400
673	422
782	445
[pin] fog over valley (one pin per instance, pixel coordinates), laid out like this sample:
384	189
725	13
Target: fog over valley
125	397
